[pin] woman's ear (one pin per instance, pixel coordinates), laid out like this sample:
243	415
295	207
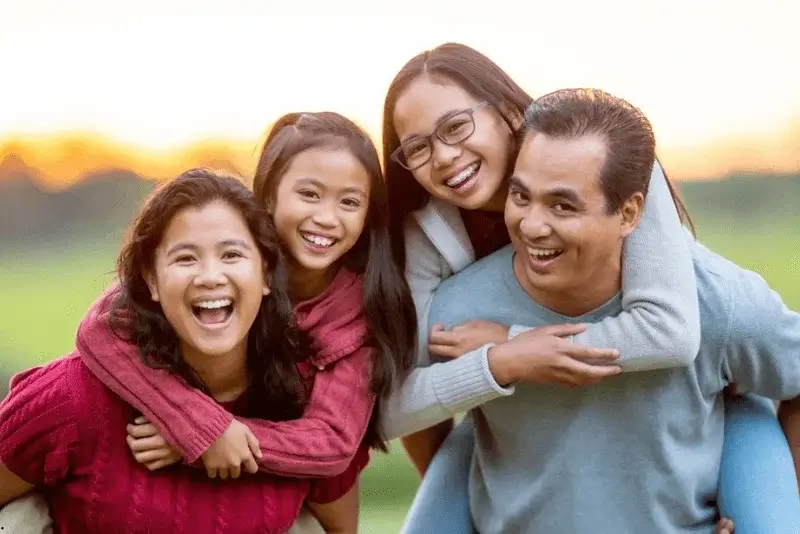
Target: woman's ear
150	280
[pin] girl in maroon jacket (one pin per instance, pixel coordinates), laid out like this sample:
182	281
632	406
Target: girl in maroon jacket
202	295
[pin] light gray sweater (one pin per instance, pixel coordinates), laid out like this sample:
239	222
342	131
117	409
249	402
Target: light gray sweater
658	327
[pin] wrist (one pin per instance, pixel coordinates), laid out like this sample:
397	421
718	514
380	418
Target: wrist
500	365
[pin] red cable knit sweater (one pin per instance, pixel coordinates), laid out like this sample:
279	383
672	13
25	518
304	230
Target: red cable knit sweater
63	431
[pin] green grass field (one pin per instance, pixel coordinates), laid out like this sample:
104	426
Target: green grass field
46	291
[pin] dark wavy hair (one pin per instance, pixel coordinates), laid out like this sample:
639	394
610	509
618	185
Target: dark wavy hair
274	343
388	307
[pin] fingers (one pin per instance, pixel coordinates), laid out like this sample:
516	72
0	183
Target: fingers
211	472
443	337
223	473
235	471
142	431
725	526
589	353
578	373
447	351
561	330
151	456
159	464
253	444
146	444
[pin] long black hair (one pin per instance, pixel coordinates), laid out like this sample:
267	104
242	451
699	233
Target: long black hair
274	343
388	307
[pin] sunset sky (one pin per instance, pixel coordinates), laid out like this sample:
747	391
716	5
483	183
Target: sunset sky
719	80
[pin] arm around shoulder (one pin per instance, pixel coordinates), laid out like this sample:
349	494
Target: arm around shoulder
659	326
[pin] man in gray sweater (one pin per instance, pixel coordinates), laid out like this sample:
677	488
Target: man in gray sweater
637	452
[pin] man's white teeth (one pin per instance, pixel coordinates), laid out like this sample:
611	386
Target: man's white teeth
213	304
463	176
545	252
318	240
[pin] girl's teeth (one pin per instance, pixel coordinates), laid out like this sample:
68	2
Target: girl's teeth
318	240
463	176
213	304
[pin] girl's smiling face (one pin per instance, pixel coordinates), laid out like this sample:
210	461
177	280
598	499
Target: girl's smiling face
319	208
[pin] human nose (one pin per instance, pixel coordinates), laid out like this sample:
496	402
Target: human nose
325	216
211	274
535	225
444	154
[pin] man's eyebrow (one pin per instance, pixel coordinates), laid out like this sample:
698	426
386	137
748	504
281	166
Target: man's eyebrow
565	193
515	182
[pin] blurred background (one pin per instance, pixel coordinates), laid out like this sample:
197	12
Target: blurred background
100	100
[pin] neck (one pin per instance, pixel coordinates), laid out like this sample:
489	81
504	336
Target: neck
497	203
225	376
305	284
577	300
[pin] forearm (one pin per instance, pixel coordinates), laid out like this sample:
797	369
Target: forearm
324	441
189	420
789	417
422	446
659	326
438	392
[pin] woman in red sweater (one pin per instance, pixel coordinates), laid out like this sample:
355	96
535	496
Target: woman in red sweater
202	295
319	176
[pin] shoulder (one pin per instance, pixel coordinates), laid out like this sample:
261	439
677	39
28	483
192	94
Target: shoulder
438	230
64	386
735	303
488	271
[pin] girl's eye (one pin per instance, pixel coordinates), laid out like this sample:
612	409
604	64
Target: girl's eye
309	194
351	203
184	259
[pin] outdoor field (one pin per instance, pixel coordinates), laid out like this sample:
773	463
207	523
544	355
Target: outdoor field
45	290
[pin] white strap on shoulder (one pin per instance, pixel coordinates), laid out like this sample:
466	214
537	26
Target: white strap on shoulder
443	237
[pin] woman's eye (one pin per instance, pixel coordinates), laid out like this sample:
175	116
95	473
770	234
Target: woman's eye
232	255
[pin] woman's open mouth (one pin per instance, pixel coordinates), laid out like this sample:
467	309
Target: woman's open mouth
213	313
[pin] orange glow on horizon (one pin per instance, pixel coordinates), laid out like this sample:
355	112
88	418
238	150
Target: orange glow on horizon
59	161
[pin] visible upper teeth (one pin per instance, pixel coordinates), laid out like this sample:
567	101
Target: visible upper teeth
213	304
463	176
544	251
319	240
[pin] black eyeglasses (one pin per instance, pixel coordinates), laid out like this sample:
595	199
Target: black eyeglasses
452	130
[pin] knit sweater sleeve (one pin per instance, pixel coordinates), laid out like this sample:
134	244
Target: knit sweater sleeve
434	393
320	444
327	490
39	435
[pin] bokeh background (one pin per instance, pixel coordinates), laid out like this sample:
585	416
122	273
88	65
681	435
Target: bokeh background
100	100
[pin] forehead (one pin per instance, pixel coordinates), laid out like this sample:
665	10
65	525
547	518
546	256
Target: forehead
207	225
545	162
335	169
424	102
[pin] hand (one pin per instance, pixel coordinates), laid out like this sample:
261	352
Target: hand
149	447
237	446
542	355
465	337
725	526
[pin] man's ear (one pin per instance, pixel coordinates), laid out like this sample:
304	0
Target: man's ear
631	212
150	280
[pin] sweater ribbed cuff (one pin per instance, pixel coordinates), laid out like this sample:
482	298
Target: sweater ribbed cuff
466	382
206	435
